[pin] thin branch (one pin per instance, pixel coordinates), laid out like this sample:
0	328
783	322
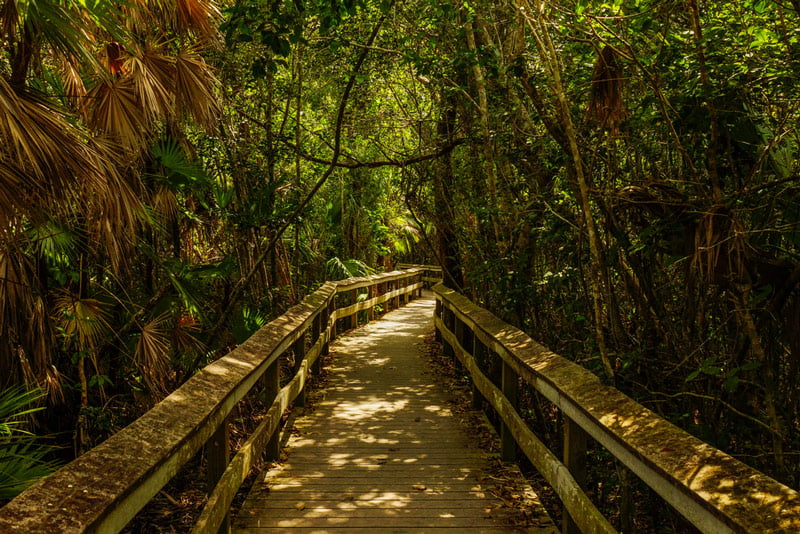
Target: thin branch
389	162
237	290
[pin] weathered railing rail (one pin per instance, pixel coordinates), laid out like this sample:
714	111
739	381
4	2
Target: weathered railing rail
431	275
713	491
105	488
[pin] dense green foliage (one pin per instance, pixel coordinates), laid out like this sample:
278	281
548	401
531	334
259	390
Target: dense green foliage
619	179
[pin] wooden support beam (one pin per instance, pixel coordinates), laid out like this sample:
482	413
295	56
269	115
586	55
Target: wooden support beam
217	457
575	459
299	349
510	387
316	329
458	330
272	385
478	352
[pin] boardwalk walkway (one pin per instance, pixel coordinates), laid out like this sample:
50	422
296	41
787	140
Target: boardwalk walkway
381	450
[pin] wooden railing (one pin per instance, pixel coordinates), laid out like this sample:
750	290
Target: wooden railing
105	488
713	491
432	274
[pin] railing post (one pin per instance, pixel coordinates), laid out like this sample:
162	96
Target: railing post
447	349
372	292
353	300
331	310
478	351
575	460
316	329
438	313
510	385
217	457
299	349
325	316
459	332
272	385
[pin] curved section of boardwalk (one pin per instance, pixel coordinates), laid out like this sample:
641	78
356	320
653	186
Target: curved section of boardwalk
381	450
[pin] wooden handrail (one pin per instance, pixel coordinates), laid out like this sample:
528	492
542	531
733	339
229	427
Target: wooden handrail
712	490
432	273
102	490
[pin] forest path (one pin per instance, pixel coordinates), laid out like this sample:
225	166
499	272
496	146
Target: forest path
381	449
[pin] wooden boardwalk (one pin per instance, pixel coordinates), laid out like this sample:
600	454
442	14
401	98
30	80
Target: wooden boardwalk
381	449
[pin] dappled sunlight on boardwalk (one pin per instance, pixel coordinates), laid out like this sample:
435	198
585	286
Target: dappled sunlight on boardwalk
381	448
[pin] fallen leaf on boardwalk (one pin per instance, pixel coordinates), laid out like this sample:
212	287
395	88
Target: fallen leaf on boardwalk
300	506
419	487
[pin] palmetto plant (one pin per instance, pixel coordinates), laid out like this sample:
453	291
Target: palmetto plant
85	90
22	460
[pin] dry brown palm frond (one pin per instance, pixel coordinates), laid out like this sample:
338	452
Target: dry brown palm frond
605	99
116	111
113	208
84	320
165	204
46	164
40	139
74	87
53	385
152	354
19	195
721	249
153	78
41	338
16	306
198	16
195	85
184	335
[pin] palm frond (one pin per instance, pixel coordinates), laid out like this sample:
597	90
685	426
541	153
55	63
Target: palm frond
36	141
15	404
22	463
338	269
153	78
152	354
16	295
184	335
85	319
165	204
54	240
198	16
22	460
181	170
116	111
74	87
195	85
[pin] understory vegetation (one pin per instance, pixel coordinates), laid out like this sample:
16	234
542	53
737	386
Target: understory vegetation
619	179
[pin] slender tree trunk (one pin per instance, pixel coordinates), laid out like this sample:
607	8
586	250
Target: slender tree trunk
599	289
449	255
486	132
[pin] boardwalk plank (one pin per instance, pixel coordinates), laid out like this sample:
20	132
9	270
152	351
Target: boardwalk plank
382	450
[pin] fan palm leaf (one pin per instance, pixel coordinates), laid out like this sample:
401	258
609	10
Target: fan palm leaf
195	84
197	17
153	78
115	110
152	354
16	297
84	319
